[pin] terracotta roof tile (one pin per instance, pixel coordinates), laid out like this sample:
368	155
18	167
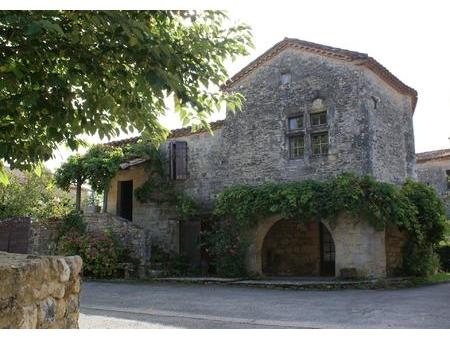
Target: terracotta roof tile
175	133
432	155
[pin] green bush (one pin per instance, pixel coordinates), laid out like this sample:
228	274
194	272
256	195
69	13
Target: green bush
72	223
228	247
172	264
28	194
101	253
419	260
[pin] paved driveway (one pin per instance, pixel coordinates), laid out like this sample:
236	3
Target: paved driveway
170	305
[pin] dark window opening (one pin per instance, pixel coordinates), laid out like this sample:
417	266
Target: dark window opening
295	122
178	160
319	144
296	146
448	179
319	119
125	199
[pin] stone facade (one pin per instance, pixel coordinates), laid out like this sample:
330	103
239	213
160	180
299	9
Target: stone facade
291	249
368	130
395	241
358	246
39	291
433	168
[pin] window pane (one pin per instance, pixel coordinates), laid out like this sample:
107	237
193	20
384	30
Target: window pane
319	144
318	119
296	146
295	122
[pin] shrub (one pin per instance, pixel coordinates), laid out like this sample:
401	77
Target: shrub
73	224
226	245
171	263
101	253
28	194
419	260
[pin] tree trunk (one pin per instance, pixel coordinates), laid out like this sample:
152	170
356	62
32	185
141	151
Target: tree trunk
78	197
105	200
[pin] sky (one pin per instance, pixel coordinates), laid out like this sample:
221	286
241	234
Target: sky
409	38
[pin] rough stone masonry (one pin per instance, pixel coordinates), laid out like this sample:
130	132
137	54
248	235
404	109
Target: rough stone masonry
39	292
365	127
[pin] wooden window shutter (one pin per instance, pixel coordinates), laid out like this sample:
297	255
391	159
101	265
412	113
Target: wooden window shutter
178	160
181	160
172	160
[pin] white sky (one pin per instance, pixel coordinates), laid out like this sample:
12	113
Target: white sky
409	38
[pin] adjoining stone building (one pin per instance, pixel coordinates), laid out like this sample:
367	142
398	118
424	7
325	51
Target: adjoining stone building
310	112
433	168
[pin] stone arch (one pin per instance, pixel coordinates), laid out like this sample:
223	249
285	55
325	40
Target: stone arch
258	236
358	246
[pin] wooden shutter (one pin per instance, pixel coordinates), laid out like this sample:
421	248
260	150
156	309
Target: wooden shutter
178	160
181	160
172	160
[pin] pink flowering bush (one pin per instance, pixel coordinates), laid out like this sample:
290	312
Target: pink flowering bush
101	253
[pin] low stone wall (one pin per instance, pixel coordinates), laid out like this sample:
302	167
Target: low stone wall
44	237
39	291
134	237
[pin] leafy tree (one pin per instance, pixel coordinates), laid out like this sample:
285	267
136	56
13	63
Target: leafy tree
64	73
28	194
73	171
101	163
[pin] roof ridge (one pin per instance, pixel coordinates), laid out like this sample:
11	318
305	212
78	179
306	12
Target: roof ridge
334	52
432	154
174	133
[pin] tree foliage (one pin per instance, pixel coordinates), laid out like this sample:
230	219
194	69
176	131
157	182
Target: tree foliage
28	194
98	166
65	73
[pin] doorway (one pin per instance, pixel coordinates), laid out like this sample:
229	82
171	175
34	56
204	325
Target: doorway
328	253
125	199
298	250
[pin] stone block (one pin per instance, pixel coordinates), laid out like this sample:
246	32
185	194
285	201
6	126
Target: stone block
39	291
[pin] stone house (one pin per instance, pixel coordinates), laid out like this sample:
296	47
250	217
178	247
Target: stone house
433	168
310	111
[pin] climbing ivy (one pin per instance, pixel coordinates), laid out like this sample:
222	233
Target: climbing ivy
158	187
102	162
413	207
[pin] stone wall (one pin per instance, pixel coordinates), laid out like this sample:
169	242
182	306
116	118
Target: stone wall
134	237
433	173
358	246
391	151
44	237
39	291
292	249
395	241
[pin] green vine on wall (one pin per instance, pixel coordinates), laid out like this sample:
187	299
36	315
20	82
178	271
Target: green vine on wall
158	187
413	207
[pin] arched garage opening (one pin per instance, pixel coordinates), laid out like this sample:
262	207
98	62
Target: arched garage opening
292	249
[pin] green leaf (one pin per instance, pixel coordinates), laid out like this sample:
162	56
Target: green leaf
4	180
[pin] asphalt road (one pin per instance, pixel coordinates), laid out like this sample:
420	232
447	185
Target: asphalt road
170	305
